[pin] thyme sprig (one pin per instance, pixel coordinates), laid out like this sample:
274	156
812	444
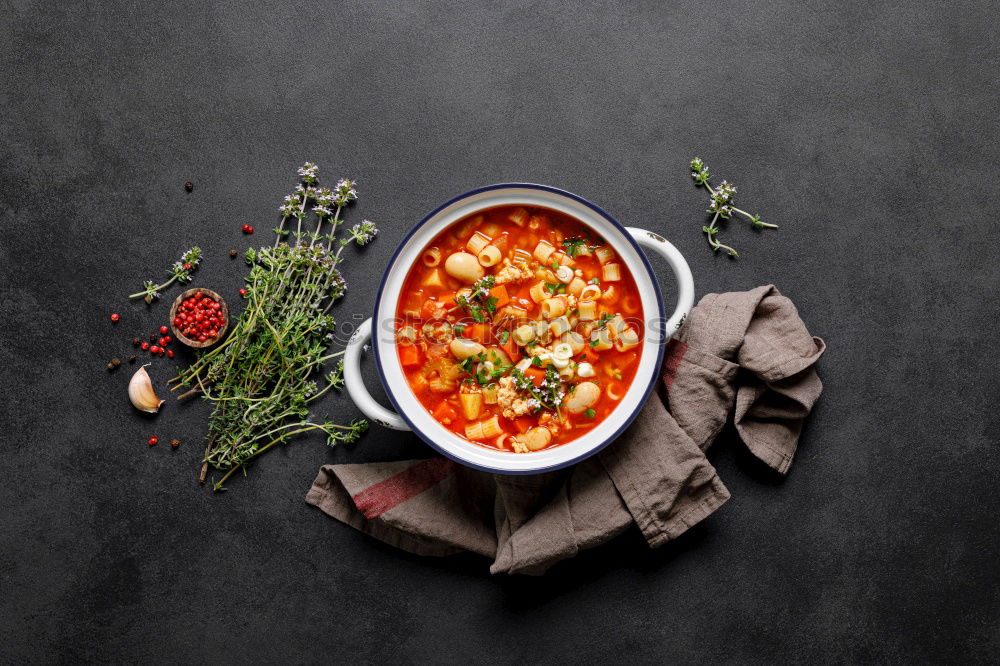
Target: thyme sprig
179	271
260	378
549	393
721	205
479	304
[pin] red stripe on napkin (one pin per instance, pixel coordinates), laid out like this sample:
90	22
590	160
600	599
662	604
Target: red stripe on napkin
375	500
675	353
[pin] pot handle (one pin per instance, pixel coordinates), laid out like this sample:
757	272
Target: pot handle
356	385
682	272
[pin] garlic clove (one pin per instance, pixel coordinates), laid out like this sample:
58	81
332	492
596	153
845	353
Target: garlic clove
140	392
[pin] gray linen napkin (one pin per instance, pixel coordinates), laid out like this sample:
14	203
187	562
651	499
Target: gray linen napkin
745	353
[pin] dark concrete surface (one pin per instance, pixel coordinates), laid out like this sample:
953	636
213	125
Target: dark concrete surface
868	131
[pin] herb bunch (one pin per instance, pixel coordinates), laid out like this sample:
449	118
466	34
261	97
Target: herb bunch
260	379
180	271
721	205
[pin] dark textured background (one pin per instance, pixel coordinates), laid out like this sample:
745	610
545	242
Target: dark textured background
868	132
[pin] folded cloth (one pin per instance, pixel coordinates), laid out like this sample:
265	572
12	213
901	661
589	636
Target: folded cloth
744	352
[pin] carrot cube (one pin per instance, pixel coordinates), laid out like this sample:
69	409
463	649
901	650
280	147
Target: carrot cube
409	355
477	332
499	292
536	375
512	350
444	412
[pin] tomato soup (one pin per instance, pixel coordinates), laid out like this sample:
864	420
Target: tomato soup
519	328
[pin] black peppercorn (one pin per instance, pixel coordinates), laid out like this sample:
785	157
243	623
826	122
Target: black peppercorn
233	253
116	362
111	366
131	359
189	186
174	444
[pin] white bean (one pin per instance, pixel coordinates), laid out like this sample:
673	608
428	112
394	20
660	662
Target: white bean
583	397
463	348
537	438
464	266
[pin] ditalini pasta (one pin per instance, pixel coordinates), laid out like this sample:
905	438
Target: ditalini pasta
519	329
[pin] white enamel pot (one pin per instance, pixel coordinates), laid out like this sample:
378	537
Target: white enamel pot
409	414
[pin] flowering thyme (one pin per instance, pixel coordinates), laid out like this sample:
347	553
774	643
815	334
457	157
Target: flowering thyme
180	271
721	205
479	304
345	192
363	233
264	377
549	393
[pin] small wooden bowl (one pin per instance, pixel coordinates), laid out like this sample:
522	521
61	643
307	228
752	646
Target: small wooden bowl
196	343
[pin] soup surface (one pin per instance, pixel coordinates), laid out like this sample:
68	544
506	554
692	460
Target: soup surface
519	329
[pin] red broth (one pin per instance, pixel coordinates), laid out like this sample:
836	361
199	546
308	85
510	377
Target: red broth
519	328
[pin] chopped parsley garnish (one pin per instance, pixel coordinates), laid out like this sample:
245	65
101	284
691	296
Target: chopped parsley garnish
459	329
466	365
590	413
594	281
618	375
503	335
485	378
555	287
572	246
472	365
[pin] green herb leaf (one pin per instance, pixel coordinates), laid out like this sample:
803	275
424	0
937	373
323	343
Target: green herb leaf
479	305
573	246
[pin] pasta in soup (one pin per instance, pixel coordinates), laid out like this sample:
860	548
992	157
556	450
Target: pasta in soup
519	329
